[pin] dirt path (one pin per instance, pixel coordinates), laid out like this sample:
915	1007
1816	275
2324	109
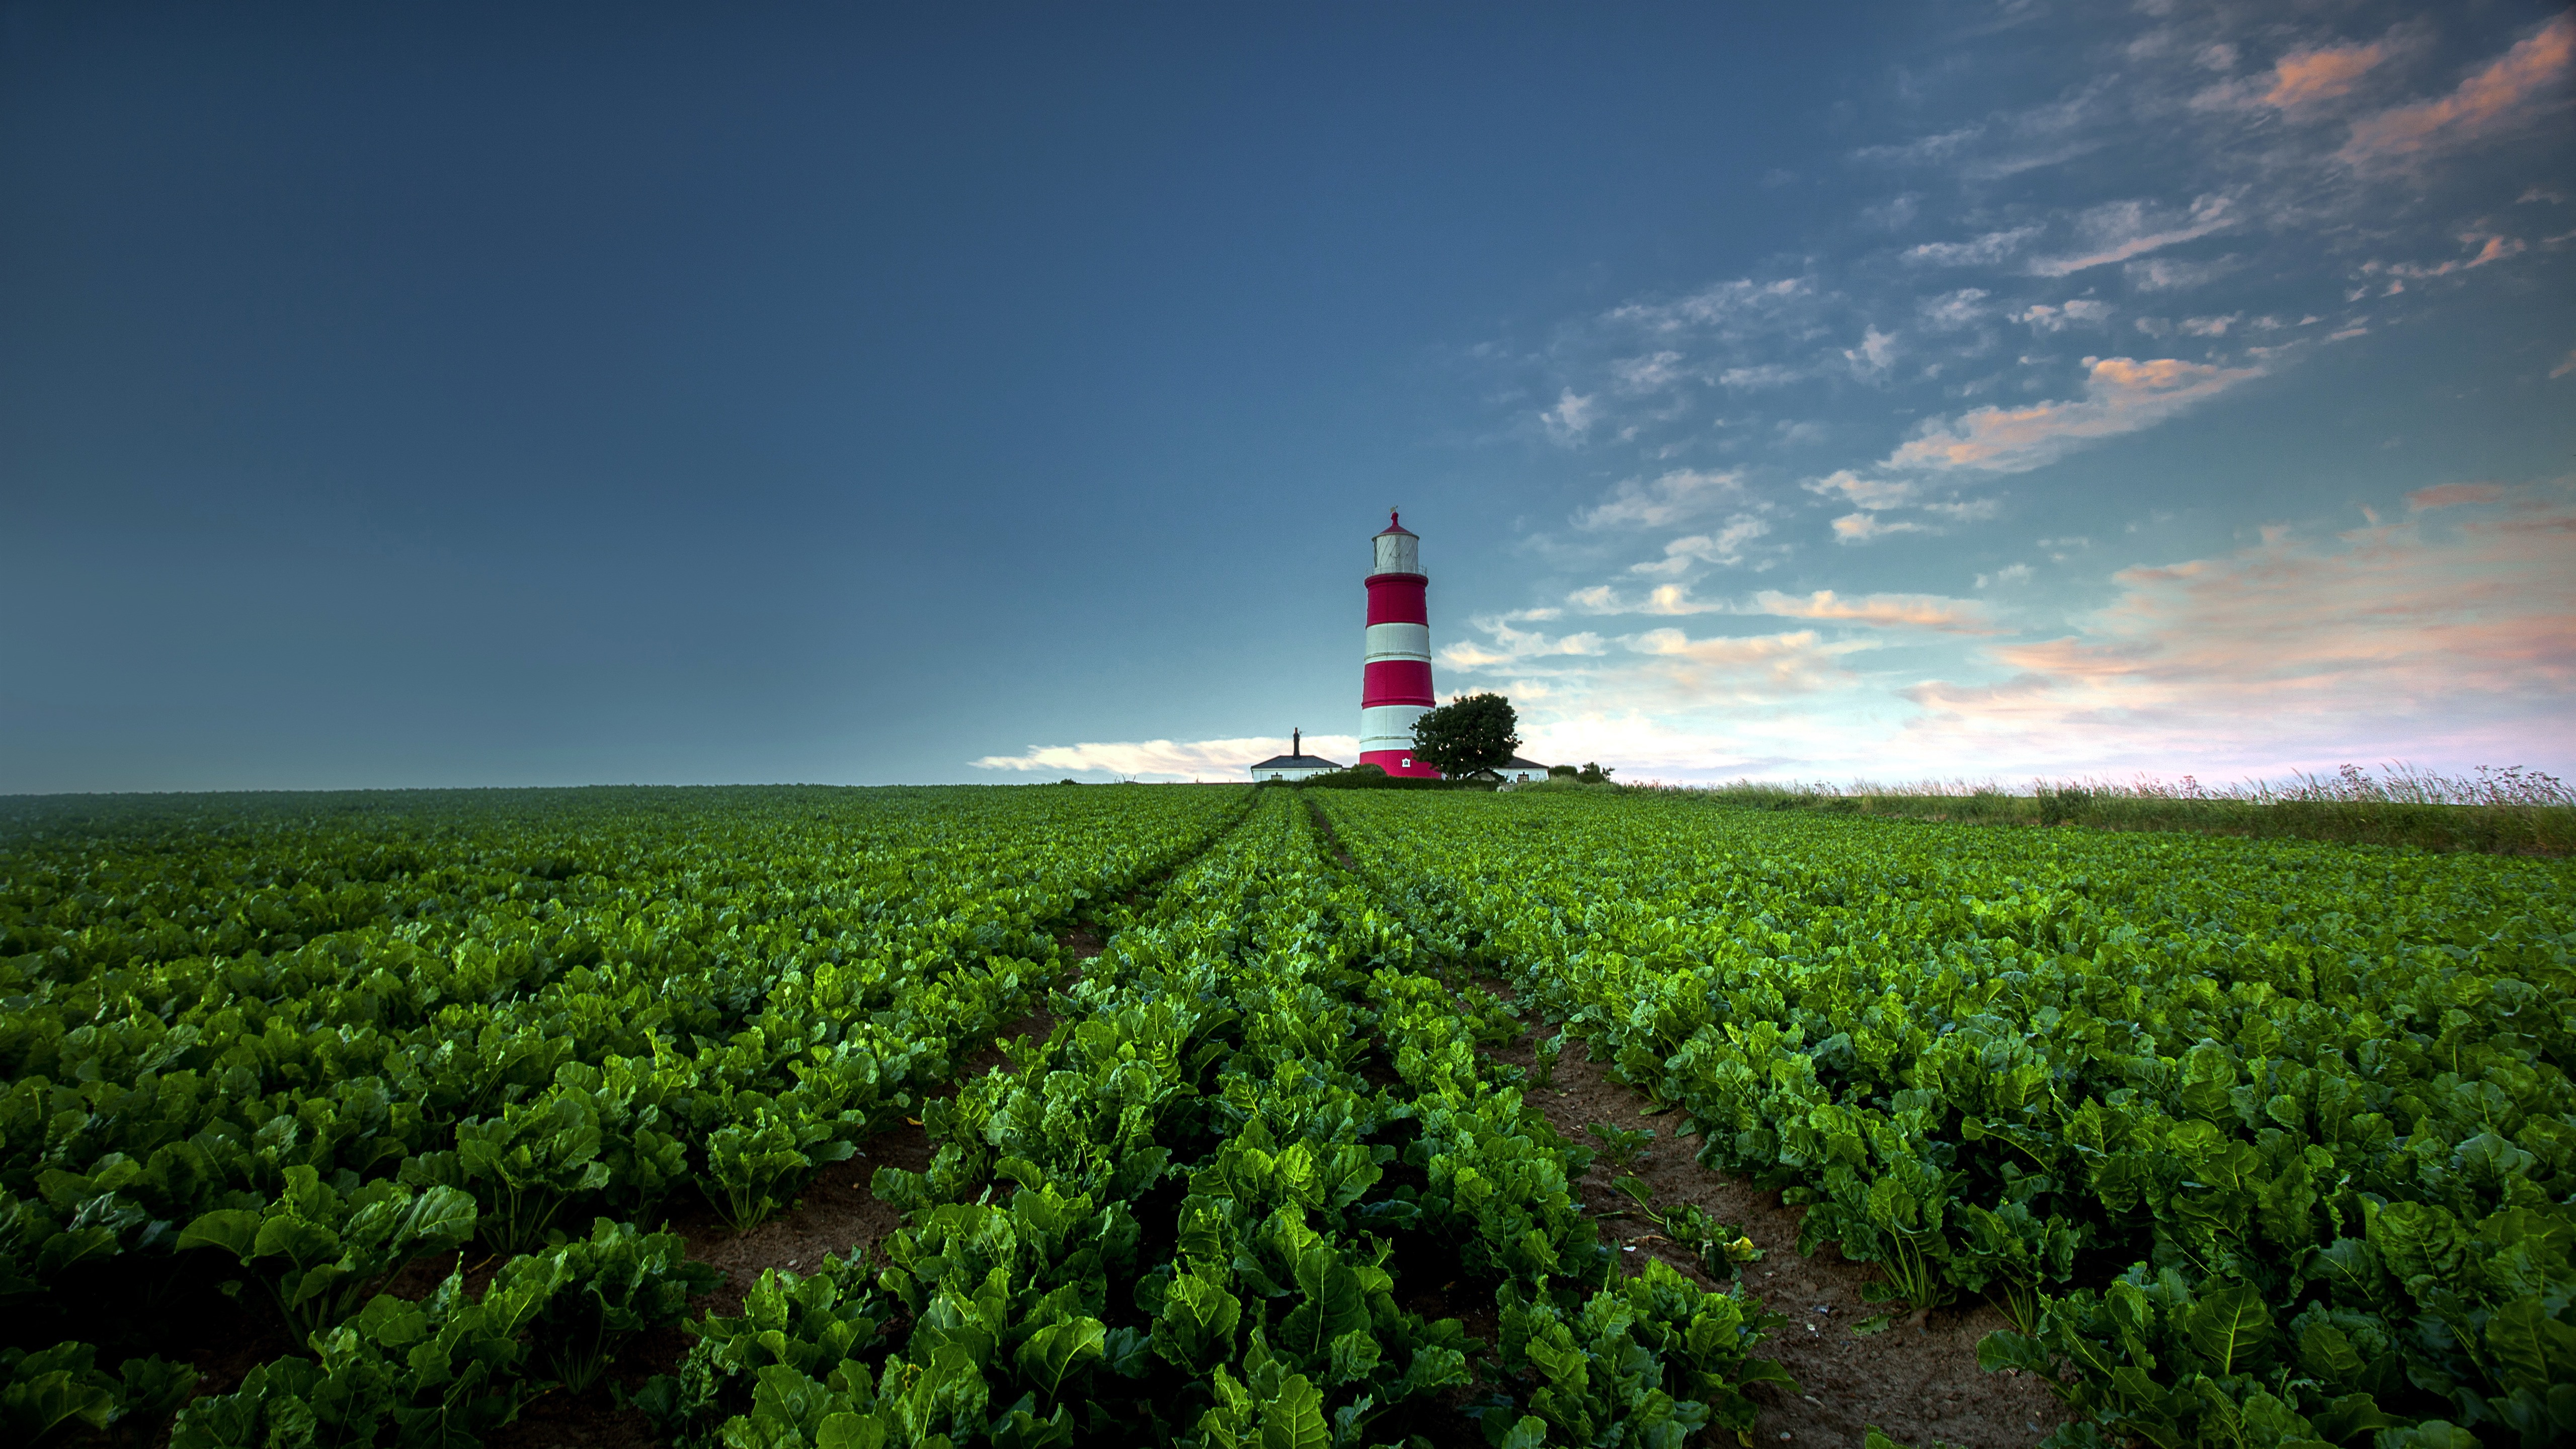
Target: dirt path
1917	1385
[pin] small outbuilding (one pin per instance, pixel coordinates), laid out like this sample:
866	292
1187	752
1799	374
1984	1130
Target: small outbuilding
1516	771
1296	764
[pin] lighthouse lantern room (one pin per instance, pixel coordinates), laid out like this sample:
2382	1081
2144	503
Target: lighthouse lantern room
1395	680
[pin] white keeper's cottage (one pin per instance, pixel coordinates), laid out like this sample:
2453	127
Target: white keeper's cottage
1294	765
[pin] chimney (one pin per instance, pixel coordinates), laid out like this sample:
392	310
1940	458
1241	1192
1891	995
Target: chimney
1296	743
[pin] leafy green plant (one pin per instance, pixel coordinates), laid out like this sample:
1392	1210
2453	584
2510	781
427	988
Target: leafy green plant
807	1325
440	1374
1544	1056
55	1392
524	1166
319	1250
618	1282
2014	1254
1625	1146
1649	1361
754	1162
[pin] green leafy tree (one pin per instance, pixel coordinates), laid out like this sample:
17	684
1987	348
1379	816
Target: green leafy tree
1470	733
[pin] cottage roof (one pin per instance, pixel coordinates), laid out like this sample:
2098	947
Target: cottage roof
1287	762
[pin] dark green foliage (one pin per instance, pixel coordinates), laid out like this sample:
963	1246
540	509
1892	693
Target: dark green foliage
319	1250
2255	1143
1369	777
52	1395
297	1041
1468	734
619	1282
438	1374
1644	1363
1203	1094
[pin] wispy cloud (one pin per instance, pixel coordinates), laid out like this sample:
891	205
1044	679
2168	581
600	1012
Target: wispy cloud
2452	495
2504	96
2491	247
1736	666
2172	274
2119	230
1511	646
2302	81
1951	311
2360	631
1715	306
1934	149
1651	373
1571	418
2304	77
2121	395
1769	374
1872	355
1862	527
1985	251
1728	546
1676	495
1167	759
1881	611
1867	492
2042	317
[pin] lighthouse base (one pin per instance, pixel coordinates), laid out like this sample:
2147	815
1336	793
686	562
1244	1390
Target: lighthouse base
1398	762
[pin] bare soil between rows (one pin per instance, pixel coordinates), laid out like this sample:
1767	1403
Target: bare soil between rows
1916	1384
836	1216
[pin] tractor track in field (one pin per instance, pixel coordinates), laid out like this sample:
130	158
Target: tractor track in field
1916	1383
1919	1383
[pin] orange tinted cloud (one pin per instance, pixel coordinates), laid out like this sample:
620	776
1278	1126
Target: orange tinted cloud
1741	668
2317	75
2376	633
2499	98
2122	395
2445	495
1884	611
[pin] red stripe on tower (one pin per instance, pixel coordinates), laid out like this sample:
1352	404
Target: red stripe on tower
1395	681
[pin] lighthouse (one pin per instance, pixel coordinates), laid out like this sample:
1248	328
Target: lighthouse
1395	682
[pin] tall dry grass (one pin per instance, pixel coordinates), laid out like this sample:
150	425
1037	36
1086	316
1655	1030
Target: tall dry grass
2511	810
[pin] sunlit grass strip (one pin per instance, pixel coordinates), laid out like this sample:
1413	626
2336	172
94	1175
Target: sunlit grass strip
2501	811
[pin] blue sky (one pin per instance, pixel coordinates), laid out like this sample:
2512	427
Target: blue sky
451	396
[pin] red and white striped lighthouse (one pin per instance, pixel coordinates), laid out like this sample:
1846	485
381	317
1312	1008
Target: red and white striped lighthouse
1395	684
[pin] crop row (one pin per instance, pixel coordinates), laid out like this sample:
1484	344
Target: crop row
2255	1143
280	1054
1222	1204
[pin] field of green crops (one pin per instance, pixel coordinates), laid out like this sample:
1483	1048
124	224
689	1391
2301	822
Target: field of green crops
366	1119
